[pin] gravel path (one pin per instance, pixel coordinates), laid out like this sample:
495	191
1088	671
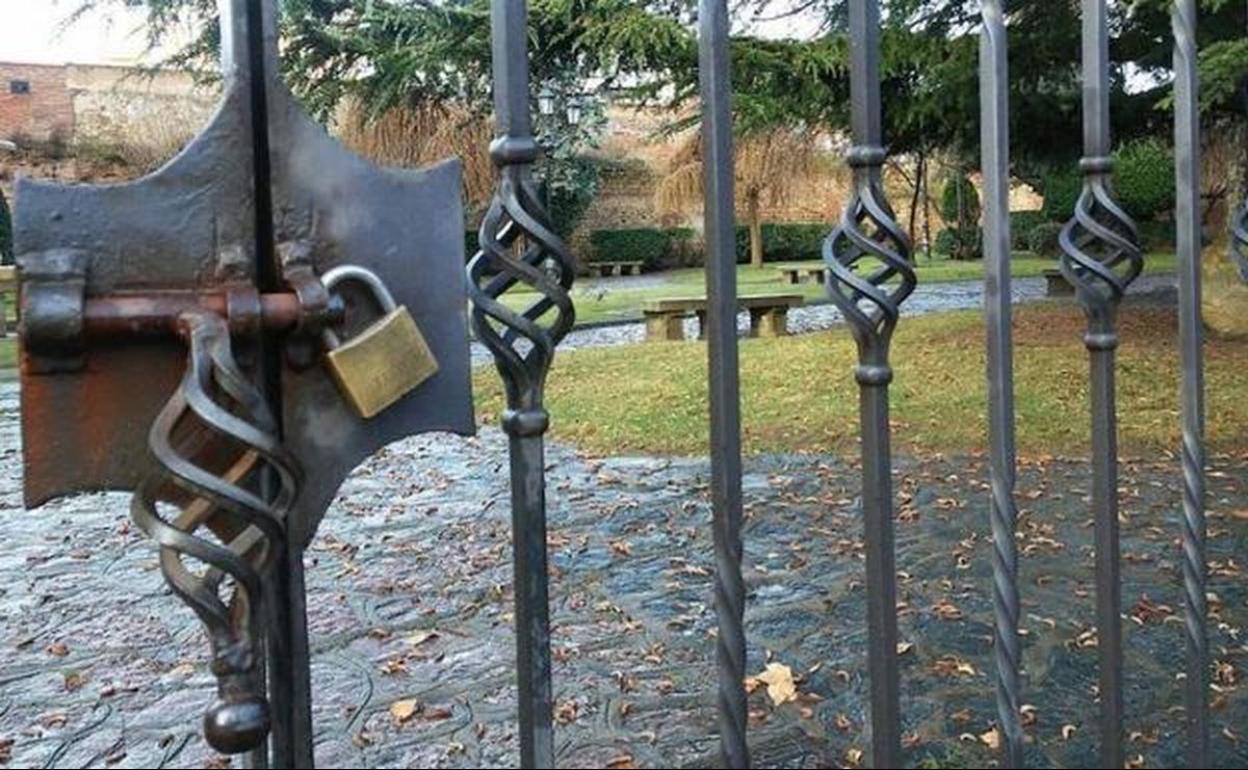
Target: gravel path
927	298
409	585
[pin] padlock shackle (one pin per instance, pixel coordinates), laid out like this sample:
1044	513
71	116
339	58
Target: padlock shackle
340	273
336	275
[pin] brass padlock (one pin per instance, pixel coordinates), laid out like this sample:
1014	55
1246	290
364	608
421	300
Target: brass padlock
385	362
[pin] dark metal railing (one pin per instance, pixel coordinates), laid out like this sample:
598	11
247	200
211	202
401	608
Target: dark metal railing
869	260
1003	514
723	383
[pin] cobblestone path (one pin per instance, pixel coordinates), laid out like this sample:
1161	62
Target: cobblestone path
409	586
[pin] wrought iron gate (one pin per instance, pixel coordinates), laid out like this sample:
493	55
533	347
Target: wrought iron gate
226	310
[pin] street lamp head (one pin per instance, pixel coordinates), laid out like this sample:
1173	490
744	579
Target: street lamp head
546	101
574	110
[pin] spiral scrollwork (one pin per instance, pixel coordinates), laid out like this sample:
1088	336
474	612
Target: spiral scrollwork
869	234
214	440
518	246
1101	254
1239	241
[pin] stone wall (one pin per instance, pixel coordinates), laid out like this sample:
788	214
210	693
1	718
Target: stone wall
35	102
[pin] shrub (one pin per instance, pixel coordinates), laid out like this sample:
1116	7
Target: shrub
959	202
1156	235
1144	178
6	233
960	243
1021	225
649	245
1061	190
785	242
1043	242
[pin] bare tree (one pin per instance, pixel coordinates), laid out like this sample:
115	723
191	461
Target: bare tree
770	167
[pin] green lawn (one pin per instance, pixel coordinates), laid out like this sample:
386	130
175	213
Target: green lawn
798	393
597	302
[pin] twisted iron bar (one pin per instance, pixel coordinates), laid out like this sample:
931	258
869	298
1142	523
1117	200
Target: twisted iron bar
217	410
1101	257
723	380
523	344
518	246
1003	513
871	304
1191	335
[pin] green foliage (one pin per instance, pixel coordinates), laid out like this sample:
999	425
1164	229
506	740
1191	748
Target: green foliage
959	201
960	242
1021	225
1060	188
1156	235
650	245
1144	178
785	242
6	232
1043	240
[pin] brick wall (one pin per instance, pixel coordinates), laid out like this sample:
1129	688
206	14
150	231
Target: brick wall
45	111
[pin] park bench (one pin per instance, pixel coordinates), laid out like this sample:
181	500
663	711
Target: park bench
804	274
1056	285
768	315
608	269
8	286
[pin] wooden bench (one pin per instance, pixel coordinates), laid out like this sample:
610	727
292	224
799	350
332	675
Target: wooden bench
607	269
8	285
1056	285
804	274
665	318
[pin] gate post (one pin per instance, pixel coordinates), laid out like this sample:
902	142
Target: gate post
871	304
523	347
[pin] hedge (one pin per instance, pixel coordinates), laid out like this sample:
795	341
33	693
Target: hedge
1043	240
649	245
960	243
785	242
1021	225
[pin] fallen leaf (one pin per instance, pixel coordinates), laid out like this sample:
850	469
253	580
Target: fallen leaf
403	710
853	757
991	739
1068	731
779	680
420	637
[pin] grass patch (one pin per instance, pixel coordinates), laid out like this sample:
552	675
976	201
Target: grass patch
798	393
594	305
8	353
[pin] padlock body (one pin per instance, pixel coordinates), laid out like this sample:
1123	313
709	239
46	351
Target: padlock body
382	364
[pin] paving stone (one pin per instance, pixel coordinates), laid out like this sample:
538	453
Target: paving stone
410	595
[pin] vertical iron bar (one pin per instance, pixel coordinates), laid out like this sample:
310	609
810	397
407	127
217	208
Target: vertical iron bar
523	344
723	379
1100	258
995	148
868	258
1191	341
877	494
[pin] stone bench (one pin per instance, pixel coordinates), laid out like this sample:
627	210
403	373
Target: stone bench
607	269
8	286
768	315
804	274
1056	285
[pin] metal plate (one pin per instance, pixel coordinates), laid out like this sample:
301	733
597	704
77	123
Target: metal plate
191	224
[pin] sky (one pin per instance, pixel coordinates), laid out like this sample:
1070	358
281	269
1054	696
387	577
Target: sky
31	32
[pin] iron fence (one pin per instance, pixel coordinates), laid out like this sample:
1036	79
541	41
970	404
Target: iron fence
260	637
1101	256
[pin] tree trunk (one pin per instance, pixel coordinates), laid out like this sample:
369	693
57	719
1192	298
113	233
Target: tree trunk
914	201
927	216
754	217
